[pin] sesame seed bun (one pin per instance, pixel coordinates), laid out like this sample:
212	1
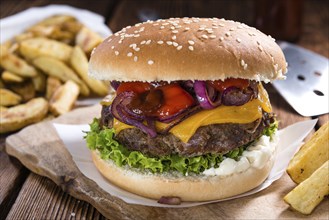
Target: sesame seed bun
188	49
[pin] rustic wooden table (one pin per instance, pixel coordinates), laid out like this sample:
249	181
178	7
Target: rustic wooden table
25	195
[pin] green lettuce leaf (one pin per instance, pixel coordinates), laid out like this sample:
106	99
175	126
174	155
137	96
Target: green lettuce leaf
110	149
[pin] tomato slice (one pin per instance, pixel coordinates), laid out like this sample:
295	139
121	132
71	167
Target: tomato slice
222	85
137	87
175	99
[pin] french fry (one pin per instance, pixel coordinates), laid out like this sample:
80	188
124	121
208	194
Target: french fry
52	85
25	90
39	82
57	68
14	64
19	116
11	77
8	98
64	98
39	47
308	194
310	156
87	39
5	47
80	64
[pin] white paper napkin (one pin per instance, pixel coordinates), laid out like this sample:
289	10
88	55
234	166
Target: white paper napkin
72	135
16	24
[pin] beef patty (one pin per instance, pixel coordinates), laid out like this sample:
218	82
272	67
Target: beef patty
215	139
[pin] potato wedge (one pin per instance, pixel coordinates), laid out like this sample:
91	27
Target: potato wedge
87	39
39	82
55	20
19	116
57	68
14	64
53	84
64	98
310	156
38	47
308	194
8	98
5	47
11	77
25	90
79	62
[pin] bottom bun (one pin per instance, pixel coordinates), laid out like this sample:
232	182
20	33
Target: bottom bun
188	188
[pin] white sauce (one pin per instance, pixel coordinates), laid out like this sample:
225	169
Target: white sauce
256	155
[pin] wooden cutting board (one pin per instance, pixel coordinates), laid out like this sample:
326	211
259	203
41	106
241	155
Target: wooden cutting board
39	148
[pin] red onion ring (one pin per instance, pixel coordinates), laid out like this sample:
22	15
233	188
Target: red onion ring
118	111
207	96
234	96
115	84
170	200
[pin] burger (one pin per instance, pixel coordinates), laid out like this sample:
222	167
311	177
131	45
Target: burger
190	119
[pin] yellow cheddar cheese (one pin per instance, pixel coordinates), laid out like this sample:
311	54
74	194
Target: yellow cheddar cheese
246	113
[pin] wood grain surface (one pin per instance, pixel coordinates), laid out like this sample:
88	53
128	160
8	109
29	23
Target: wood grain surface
25	195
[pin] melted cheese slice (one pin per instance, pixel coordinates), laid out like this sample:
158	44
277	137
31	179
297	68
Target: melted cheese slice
246	113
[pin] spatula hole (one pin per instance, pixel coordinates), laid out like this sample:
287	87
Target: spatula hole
317	92
301	77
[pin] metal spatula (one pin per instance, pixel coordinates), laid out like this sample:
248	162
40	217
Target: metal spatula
306	86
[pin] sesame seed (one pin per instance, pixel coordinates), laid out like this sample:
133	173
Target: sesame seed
221	38
148	42
120	41
240	27
228	34
260	48
175	31
174	37
258	42
150	62
232	29
210	31
112	47
242	63
191	42
143	42
222	25
160	42
212	36
191	48
162	27
132	45
179	47
116	53
169	42
204	36
136	48
175	44
135	58
245	66
172	28
109	40
201	29
187	28
238	40
129	54
116	34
